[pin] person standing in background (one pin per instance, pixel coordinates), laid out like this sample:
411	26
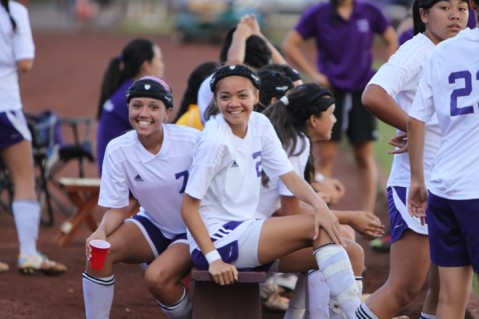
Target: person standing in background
139	58
17	51
344	31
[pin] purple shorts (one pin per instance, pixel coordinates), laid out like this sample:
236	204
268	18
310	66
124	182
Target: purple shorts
453	232
158	242
399	216
14	128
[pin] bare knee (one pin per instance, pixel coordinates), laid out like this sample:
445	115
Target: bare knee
157	278
356	256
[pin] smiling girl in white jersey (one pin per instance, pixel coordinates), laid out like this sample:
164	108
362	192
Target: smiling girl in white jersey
223	192
151	162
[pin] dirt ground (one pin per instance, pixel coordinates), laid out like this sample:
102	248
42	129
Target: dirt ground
66	79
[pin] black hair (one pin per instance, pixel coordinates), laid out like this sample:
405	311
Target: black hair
257	52
290	72
274	84
195	79
123	67
12	20
291	112
419	26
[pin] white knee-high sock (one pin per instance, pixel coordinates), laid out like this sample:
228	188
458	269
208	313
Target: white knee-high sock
333	261
98	296
318	296
359	284
364	312
27	221
297	303
182	309
335	311
427	316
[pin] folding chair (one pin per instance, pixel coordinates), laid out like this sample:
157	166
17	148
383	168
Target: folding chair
51	154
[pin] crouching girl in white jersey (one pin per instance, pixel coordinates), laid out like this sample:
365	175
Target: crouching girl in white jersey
223	192
152	163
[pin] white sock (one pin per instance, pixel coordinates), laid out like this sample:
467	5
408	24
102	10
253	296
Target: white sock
297	303
27	221
427	316
182	309
98	296
359	284
318	295
364	312
333	261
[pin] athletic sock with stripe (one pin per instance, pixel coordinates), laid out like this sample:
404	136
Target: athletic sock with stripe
98	296
333	261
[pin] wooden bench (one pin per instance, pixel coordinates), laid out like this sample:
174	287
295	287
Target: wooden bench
238	301
83	192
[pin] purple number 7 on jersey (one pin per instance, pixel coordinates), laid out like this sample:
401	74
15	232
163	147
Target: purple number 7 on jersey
185	175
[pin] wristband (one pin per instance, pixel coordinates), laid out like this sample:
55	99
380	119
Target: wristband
212	256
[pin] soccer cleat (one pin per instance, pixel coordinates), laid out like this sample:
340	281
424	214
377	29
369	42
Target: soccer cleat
381	244
29	265
3	267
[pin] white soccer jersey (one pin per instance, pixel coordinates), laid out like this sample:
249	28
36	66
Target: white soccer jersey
270	196
157	181
450	89
14	46
226	170
204	97
400	77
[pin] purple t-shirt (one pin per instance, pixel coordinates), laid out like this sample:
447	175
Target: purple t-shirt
113	121
344	46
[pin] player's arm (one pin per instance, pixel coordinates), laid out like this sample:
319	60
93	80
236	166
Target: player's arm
384	107
417	199
304	192
24	65
292	51
390	39
222	273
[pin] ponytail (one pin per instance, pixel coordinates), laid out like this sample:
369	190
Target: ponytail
7	8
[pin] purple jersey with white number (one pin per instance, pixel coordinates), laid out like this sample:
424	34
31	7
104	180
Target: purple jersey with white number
113	121
344	46
450	89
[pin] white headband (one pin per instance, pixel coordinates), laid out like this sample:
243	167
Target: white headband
285	100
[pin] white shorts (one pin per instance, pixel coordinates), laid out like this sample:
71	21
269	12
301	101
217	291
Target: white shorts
237	243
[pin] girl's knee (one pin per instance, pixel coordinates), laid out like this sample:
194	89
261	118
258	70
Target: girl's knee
356	256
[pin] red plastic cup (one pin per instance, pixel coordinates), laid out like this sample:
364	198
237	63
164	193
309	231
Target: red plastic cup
99	250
